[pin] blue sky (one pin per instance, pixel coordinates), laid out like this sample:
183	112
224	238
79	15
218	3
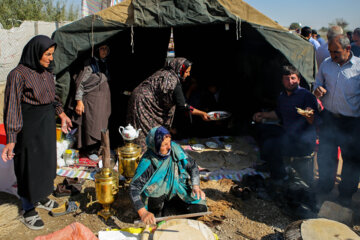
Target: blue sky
313	13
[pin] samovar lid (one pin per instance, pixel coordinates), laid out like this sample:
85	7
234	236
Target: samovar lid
130	148
106	173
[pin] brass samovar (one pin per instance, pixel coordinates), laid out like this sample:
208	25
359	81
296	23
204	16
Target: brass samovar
129	154
106	181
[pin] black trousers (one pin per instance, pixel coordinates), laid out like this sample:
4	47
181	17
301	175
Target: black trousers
337	130
158	205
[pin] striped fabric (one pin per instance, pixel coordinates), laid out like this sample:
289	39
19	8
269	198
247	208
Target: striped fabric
89	7
114	2
25	85
73	173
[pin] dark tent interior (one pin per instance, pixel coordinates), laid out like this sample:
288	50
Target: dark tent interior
244	70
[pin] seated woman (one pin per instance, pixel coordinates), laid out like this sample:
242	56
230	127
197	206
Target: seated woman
165	174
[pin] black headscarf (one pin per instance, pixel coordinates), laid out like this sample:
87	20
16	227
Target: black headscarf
34	50
98	64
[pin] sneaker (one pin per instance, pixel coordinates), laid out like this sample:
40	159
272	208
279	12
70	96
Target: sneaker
32	220
47	204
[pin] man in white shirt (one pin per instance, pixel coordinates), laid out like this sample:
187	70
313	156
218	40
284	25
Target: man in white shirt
322	52
338	87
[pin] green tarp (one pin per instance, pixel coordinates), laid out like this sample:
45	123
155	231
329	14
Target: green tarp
128	18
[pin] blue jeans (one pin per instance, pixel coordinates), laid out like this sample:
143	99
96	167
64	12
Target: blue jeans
26	205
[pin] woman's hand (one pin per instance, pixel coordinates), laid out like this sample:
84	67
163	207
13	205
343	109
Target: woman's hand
7	153
65	123
258	117
79	108
198	193
146	216
205	116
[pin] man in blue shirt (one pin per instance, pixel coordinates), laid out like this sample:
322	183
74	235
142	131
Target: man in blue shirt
338	87
307	34
355	45
296	137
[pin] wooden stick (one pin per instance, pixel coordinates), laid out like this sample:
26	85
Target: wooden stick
159	219
146	233
105	145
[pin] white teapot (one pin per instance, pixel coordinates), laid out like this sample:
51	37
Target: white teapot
129	132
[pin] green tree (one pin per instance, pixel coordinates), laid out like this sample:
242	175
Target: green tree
340	22
73	13
13	12
60	11
323	29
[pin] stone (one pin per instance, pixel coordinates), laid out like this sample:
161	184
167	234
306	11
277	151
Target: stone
336	212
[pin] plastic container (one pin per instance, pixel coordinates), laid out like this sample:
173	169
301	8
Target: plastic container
76	156
68	157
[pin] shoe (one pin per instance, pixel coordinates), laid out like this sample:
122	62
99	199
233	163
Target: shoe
32	220
241	192
74	182
67	207
62	191
47	204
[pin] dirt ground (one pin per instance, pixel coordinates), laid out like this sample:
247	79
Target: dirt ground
231	217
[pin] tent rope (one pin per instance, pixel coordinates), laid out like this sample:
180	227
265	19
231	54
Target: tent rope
132	39
92	36
238	28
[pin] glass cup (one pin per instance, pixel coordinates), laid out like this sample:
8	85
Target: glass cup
58	133
227	146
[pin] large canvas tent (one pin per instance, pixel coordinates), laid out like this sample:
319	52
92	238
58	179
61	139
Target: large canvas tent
227	40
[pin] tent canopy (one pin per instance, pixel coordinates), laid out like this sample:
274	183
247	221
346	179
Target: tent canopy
249	51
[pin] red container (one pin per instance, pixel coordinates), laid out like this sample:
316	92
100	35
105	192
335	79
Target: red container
2	134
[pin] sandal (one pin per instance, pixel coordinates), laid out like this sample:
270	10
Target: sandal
62	191
74	182
241	192
67	207
33	222
47	204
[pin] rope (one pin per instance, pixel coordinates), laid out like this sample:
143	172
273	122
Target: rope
92	36
238	28
132	39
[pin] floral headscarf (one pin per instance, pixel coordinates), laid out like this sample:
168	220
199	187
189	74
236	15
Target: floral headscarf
179	65
154	140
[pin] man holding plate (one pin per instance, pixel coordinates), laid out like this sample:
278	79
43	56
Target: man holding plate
296	136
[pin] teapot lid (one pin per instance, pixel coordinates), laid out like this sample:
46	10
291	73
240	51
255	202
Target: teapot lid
129	126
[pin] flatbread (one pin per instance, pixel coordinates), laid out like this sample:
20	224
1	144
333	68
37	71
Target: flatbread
321	228
180	229
304	112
